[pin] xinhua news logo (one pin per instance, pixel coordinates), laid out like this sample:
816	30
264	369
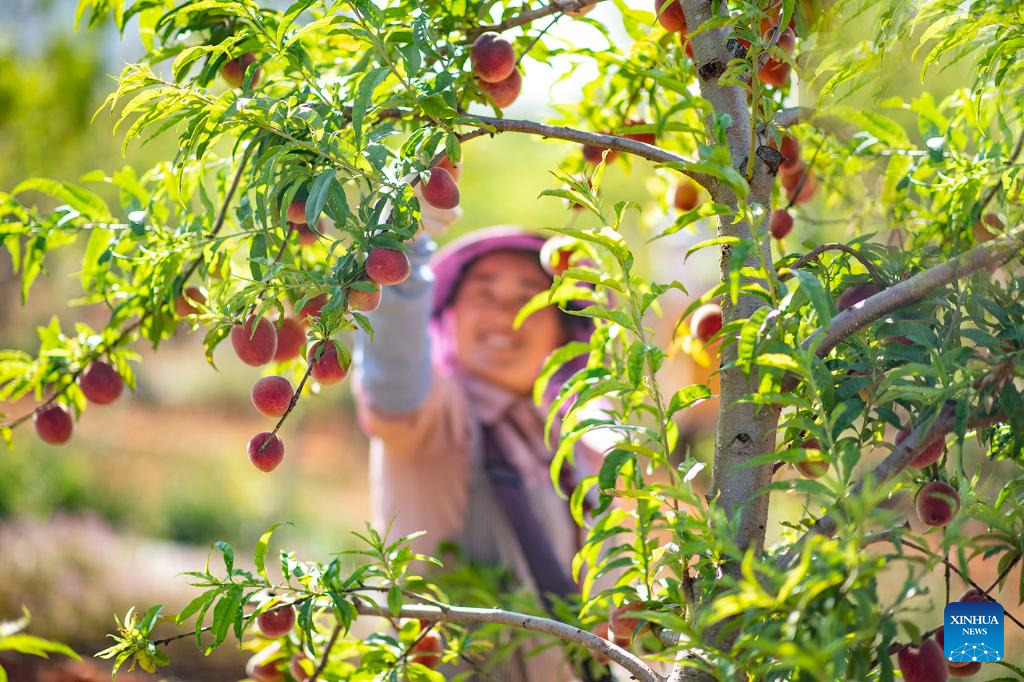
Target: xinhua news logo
973	631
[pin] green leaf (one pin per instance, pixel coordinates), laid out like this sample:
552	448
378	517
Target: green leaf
686	397
361	104
395	600
318	194
82	200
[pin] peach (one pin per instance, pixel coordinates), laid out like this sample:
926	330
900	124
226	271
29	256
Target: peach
260	670
266	450
297	667
234	70
272	395
670	15
973	594
53	423
780	223
100	383
504	93
646	138
929	454
792	175
774	73
307	236
183	304
365	301
440	191
967	670
312	308
856	294
427	651
297	211
387	266
937	503
789	147
327	367
493	58
805	191
593	153
454	169
623	626
277	622
255	343
706	321
812	467
923	664
686	196
291	336
989	227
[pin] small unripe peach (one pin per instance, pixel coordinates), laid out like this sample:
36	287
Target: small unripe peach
493	58
670	15
277	622
100	383
780	223
929	454
504	93
440	191
365	301
255	343
272	395
234	70
427	651
290	339
387	266
327	367
937	503
686	196
706	321
266	451
53	424
183	305
923	664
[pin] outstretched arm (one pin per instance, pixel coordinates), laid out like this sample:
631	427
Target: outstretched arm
393	371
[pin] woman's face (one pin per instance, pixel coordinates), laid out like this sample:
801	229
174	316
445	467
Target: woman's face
493	290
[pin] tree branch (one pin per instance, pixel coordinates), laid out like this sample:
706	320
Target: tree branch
913	290
530	16
568	633
624	144
836	246
999	183
327	652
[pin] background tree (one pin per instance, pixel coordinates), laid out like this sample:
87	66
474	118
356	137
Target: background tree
355	113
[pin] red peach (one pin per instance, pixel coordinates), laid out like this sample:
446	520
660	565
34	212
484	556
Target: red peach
297	668
454	169
929	454
272	395
387	266
706	321
988	228
812	467
266	451
440	191
671	17
183	304
100	383
312	308
973	595
774	73
967	670
686	196
277	622
53	423
290	338
504	93
780	223
297	212
791	177
255	343
260	670
923	664
937	503
327	367
804	192
365	301
234	70
647	138
593	154
427	651
493	58
623	626
856	294
790	150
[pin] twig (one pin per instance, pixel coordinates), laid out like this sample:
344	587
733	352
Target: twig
999	183
530	16
294	401
540	35
327	652
836	246
127	331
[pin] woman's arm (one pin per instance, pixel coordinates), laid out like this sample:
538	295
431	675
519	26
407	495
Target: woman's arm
394	374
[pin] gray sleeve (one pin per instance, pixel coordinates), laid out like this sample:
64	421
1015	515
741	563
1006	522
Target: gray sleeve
394	371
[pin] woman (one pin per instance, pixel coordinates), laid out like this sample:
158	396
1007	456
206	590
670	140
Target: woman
457	445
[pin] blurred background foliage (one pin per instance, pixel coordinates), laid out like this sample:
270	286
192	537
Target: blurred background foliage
110	519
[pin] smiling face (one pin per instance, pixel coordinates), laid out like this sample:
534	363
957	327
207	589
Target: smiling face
492	291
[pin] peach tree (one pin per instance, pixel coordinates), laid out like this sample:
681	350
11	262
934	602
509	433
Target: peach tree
850	374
